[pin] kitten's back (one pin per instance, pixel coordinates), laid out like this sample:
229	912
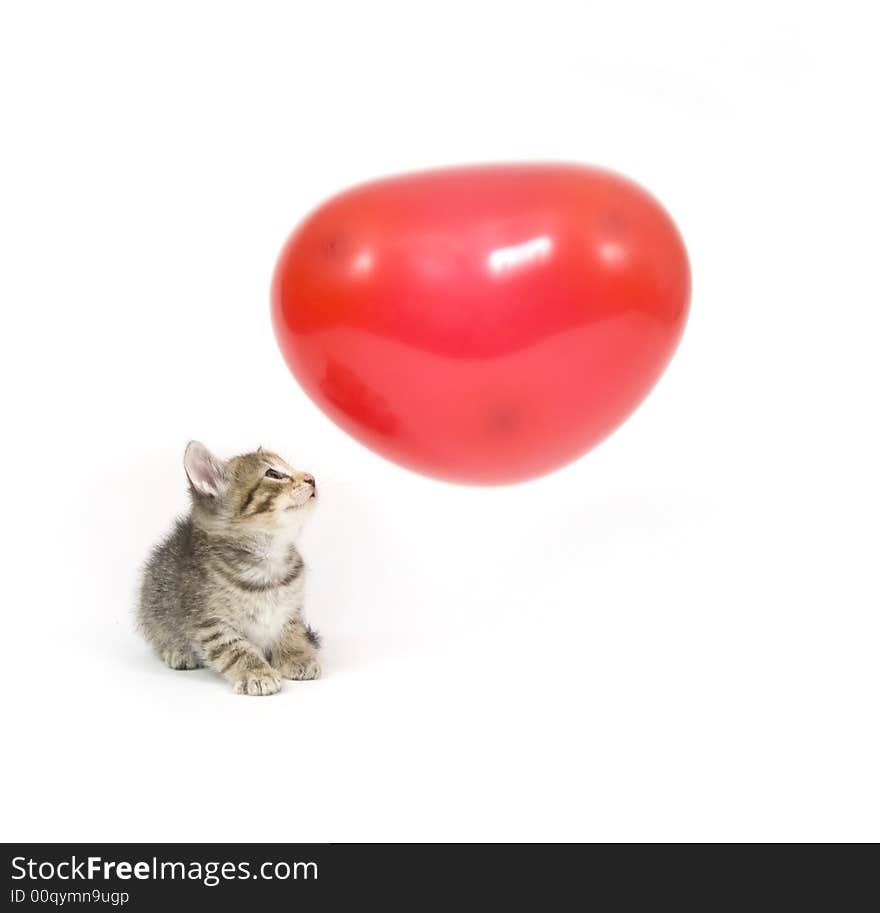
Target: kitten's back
161	589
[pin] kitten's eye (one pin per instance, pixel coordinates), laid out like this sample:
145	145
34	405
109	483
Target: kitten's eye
272	474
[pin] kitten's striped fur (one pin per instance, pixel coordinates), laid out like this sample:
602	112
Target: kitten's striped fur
225	588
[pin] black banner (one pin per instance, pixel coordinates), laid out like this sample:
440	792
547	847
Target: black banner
150	877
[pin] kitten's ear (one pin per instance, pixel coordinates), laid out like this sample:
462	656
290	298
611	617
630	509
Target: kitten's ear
206	473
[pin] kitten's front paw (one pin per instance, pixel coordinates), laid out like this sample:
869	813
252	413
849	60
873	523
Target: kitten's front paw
258	683
301	670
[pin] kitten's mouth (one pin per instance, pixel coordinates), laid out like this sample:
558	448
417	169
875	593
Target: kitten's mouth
300	504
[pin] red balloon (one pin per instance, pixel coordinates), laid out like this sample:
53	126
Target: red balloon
482	324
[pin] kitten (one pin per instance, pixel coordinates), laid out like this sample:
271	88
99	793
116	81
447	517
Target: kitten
225	588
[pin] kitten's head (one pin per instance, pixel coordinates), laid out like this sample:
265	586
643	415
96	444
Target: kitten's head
252	493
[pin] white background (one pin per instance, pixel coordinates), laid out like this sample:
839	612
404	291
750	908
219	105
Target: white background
676	638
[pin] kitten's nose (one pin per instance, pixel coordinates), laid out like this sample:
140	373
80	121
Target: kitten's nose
308	477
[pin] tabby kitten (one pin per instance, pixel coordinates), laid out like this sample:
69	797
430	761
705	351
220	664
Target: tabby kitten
225	588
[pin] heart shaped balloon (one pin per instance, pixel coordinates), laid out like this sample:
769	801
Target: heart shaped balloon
482	324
